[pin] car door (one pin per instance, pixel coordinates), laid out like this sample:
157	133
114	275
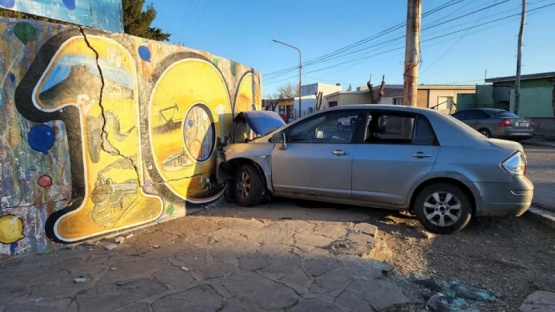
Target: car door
317	160
393	158
478	119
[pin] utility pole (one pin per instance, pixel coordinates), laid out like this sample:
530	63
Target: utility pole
519	56
412	52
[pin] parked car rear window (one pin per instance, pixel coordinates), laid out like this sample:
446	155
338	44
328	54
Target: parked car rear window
506	115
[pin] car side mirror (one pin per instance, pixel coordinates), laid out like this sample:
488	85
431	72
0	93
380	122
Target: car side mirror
279	139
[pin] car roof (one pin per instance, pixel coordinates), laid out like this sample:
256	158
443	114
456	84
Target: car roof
487	109
390	107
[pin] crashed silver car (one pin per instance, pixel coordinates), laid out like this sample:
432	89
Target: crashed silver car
420	160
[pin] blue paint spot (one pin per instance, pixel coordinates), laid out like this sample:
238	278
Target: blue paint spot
190	123
144	53
7	3
41	138
13	248
11	76
70	4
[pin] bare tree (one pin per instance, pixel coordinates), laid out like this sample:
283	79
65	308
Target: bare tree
319	95
376	98
287	91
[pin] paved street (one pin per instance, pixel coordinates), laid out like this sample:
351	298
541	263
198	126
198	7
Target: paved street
541	170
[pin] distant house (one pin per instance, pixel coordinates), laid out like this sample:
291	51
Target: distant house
537	98
537	94
440	97
308	102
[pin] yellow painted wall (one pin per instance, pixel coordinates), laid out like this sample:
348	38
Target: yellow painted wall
103	132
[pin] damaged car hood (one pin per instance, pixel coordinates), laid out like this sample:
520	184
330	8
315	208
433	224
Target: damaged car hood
261	122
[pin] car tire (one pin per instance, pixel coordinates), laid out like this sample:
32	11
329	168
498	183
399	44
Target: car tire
248	188
485	132
443	208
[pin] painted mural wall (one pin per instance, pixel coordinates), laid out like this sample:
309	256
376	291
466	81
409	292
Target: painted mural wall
101	14
101	132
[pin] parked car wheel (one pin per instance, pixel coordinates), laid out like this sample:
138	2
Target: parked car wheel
485	132
443	208
248	189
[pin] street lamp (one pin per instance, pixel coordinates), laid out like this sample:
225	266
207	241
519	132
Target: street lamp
300	70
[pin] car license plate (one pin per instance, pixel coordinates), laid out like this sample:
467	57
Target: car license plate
523	124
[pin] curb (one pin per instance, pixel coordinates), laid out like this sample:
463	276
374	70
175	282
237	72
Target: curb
544	216
538	143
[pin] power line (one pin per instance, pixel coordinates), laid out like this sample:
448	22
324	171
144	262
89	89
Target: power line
390	42
365	40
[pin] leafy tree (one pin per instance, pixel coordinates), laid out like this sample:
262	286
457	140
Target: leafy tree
137	22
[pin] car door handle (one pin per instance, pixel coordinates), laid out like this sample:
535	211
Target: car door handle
339	153
421	155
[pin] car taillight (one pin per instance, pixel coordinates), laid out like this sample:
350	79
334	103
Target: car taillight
515	164
505	123
532	124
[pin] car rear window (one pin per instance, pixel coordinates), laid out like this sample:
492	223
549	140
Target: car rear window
506	115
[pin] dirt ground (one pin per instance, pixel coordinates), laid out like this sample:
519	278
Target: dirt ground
510	257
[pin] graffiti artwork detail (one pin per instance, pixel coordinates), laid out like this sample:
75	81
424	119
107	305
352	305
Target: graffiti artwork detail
106	132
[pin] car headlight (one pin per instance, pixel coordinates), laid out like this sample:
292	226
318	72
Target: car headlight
515	164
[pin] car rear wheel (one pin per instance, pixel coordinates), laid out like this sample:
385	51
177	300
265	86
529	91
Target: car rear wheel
443	208
485	132
248	188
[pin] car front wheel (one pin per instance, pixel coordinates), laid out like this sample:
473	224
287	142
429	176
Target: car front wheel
248	188
443	208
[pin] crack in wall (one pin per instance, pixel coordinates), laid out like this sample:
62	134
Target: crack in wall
105	142
65	202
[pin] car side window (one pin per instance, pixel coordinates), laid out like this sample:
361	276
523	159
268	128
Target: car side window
392	128
476	114
328	127
424	134
461	115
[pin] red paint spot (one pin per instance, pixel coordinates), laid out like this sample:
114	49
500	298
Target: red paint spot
45	181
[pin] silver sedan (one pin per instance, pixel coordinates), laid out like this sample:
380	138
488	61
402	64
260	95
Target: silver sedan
419	160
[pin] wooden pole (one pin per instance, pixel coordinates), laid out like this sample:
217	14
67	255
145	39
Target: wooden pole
519	57
412	52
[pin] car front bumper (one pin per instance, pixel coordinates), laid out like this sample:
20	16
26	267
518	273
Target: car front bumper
499	199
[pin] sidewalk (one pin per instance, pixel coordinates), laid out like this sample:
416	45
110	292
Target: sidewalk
204	263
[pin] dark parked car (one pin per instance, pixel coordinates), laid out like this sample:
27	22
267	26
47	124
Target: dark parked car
497	123
422	160
284	117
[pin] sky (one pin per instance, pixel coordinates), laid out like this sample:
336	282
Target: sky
349	41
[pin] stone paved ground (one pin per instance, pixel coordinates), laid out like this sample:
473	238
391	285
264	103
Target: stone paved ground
209	263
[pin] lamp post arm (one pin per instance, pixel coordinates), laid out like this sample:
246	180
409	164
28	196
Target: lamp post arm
300	70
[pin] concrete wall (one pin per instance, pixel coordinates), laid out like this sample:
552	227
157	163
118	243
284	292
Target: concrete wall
312	89
348	98
536	98
439	99
102	132
484	96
